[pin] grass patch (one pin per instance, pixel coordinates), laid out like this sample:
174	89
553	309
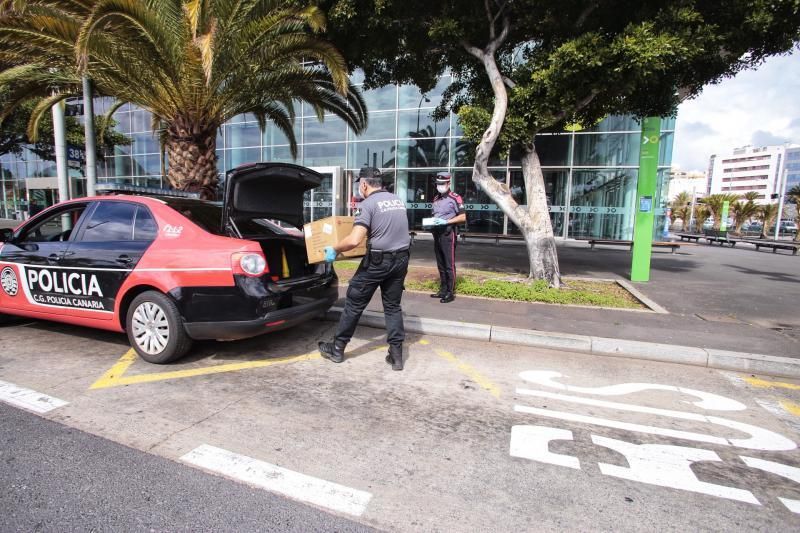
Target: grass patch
498	286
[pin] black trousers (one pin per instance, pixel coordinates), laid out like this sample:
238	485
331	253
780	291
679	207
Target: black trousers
444	244
389	275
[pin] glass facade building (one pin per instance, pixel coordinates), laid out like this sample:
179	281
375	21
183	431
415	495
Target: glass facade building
590	175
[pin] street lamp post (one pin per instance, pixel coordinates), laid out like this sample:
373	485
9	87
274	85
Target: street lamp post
691	213
780	203
419	107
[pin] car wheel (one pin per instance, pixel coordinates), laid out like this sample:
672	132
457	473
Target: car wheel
155	328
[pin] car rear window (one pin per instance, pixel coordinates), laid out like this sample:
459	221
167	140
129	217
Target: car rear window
208	215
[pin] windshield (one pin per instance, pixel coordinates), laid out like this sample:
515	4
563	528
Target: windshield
208	215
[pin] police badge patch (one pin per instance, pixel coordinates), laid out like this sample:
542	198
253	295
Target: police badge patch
8	279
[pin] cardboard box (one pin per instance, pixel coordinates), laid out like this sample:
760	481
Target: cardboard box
327	232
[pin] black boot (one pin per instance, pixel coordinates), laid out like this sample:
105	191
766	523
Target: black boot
447	298
333	351
395	357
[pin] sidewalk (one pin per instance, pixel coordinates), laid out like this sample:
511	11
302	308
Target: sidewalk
718	298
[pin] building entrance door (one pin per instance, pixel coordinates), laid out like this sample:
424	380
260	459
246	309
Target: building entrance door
330	198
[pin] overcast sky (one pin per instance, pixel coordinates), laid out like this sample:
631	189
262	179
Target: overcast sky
758	107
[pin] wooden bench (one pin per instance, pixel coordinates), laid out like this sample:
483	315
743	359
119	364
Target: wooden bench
659	244
720	236
775	246
496	236
690	236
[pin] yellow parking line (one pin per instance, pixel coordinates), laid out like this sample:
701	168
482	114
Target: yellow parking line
790	407
764	384
471	372
115	376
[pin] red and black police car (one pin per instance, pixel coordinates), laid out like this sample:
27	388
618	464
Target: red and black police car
169	268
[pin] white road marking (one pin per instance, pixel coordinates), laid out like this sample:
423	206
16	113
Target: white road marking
531	442
789	472
760	438
667	466
708	400
28	399
276	479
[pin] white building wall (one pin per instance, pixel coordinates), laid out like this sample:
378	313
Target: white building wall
748	169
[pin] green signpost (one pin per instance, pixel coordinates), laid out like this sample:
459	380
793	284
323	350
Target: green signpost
723	223
646	196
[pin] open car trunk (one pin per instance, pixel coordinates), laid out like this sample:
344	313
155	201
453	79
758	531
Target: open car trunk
287	258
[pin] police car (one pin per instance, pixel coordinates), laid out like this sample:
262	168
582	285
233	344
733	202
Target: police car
168	268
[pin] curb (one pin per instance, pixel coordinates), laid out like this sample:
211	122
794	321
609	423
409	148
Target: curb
770	365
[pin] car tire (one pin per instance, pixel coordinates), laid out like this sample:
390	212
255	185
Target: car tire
155	328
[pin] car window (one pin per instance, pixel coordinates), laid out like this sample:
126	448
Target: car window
145	227
56	227
110	221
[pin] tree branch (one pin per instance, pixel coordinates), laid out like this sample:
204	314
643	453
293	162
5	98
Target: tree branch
580	105
585	14
509	82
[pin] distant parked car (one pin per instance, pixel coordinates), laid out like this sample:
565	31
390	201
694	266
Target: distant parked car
788	226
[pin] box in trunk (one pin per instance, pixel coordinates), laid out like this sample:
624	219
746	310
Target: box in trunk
327	232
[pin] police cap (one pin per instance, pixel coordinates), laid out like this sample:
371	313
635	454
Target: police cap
443	177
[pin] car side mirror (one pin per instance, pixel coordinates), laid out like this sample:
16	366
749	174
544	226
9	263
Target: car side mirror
5	234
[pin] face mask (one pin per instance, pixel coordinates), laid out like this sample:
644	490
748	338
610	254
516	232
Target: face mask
357	192
441	188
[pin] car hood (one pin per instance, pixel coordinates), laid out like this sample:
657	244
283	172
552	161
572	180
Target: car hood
267	190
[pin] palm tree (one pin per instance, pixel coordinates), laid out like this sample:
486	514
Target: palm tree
701	213
793	196
681	208
766	215
192	63
714	203
744	210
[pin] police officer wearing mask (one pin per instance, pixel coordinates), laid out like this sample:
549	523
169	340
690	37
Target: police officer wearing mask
448	211
382	219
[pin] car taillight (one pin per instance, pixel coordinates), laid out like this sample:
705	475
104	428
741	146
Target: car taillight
249	263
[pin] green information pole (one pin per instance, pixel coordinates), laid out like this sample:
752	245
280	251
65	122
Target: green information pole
646	196
723	223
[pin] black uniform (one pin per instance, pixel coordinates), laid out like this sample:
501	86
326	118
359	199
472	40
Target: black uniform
384	266
446	206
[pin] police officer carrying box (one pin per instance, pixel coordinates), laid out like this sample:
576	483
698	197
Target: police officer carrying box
448	211
382	219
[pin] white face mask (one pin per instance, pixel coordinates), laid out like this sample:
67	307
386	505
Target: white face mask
441	188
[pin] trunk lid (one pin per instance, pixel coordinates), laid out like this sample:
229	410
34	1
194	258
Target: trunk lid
267	190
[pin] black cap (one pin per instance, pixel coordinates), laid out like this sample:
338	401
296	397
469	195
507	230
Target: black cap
369	172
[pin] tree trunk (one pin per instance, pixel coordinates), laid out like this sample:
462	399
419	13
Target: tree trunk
538	235
191	152
536	226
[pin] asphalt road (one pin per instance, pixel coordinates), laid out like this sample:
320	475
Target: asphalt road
55	478
471	436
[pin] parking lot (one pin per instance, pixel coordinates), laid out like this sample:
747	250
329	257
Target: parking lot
470	436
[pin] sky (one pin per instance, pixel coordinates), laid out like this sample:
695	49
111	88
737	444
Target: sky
759	107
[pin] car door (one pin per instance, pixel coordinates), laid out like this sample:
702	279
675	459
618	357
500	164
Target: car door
108	247
32	260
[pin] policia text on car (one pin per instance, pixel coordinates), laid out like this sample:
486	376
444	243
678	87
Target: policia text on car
382	218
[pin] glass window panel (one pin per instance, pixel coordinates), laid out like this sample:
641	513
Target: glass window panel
274	136
380	126
553	150
379	154
144	143
668	123
333	129
122	166
324	155
607	149
147	165
279	154
410	96
236	157
418	153
141	121
145	227
381	98
242	135
665	149
602	204
123	122
464	154
111	221
419	123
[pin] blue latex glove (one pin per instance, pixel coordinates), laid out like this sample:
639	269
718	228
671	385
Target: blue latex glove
330	254
439	222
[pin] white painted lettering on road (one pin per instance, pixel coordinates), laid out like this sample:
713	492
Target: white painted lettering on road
667	466
709	401
789	472
531	442
28	399
276	479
